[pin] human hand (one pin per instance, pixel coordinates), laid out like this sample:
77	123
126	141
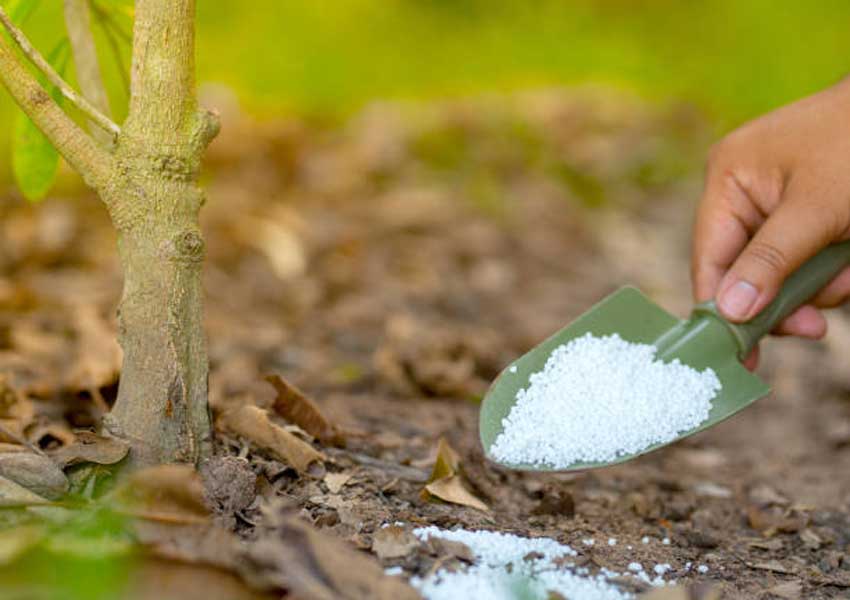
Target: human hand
777	190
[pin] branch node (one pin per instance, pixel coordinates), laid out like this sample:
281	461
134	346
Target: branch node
207	126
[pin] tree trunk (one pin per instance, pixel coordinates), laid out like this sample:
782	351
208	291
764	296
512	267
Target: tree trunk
162	397
154	203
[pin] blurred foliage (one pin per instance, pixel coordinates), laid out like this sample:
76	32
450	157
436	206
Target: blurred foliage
75	555
735	59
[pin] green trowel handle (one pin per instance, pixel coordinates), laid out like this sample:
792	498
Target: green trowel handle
804	283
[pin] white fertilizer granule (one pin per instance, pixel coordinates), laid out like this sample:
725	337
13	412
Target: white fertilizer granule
599	398
508	567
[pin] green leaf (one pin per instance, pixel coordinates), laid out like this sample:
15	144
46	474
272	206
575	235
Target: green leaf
35	161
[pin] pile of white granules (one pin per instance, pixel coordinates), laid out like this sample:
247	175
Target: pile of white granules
599	398
508	567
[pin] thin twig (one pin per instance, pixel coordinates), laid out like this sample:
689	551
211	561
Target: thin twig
89	78
35	57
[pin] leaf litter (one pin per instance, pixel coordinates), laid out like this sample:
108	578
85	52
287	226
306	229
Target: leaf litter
406	256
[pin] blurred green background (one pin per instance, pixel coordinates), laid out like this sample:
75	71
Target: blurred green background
326	58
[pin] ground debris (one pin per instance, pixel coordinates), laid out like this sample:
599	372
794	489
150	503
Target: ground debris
695	592
310	564
446	482
253	424
790	590
229	484
336	481
772	520
393	541
297	408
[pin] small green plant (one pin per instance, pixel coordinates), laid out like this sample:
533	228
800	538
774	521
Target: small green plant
145	171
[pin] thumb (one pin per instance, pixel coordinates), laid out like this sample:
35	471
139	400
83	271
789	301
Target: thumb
795	232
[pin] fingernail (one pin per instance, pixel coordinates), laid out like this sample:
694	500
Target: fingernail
737	300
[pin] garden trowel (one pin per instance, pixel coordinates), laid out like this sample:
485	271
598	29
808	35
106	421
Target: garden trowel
703	340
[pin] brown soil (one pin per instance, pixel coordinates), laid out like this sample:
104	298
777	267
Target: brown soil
390	267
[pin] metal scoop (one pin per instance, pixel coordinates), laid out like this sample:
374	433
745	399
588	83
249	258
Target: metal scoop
703	340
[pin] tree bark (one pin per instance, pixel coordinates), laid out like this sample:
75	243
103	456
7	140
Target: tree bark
162	397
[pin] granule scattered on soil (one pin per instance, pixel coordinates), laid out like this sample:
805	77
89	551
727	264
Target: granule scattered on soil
599	398
509	566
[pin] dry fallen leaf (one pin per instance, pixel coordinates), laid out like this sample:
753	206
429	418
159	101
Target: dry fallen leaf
393	542
35	472
297	408
253	424
168	493
763	495
694	592
311	564
446	482
92	448
772	565
336	481
98	356
51	435
16	413
772	520
14	494
157	578
792	590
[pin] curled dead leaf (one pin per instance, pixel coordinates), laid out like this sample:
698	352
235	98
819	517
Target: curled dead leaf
253	424
446	482
299	409
92	448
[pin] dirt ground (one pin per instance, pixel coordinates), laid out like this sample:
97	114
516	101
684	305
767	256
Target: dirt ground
389	267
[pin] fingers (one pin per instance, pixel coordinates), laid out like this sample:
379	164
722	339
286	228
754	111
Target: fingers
807	321
725	220
752	361
794	232
835	293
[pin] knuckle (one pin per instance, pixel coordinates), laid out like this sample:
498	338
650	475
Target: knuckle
768	256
